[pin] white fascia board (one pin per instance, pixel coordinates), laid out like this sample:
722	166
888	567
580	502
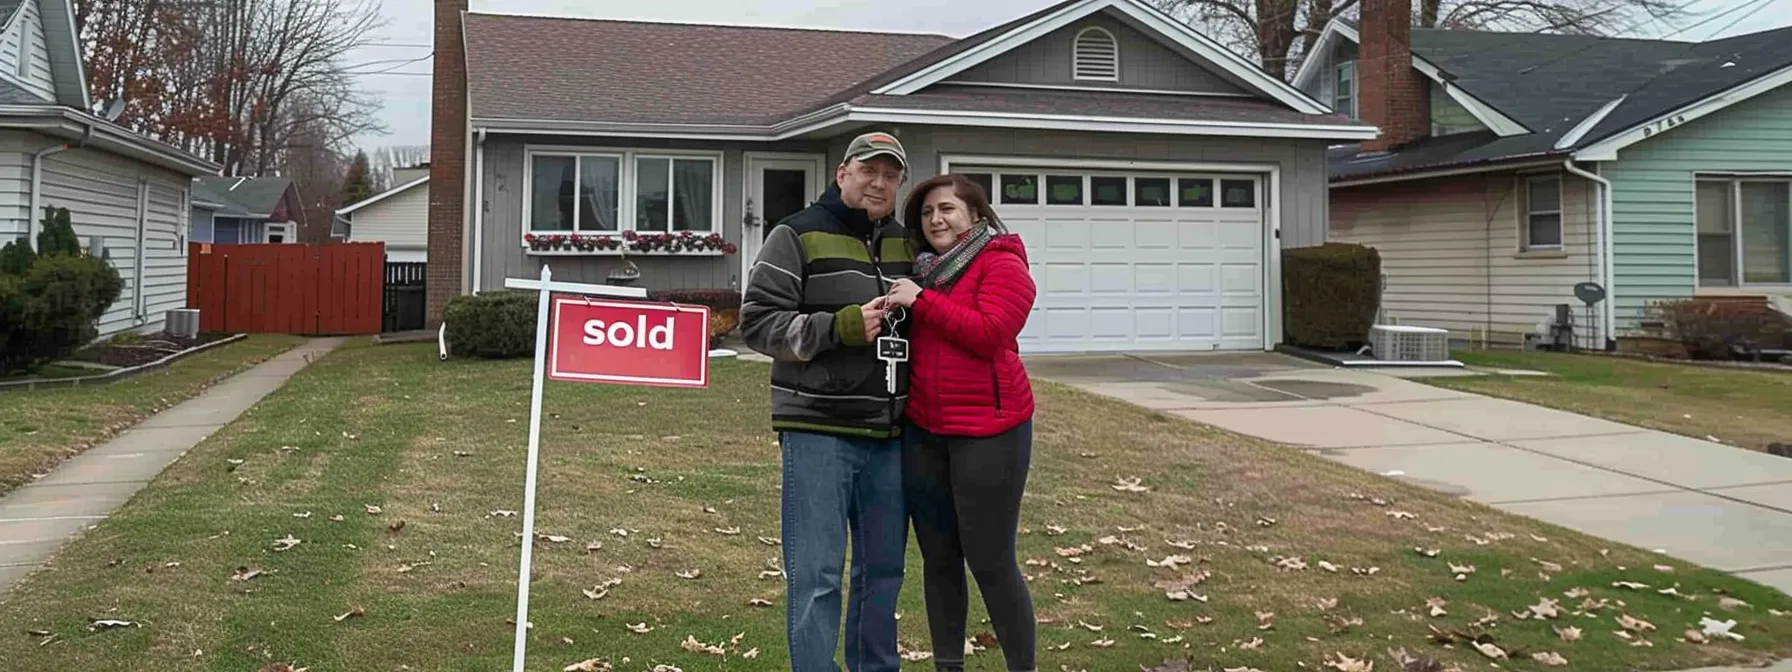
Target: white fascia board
1110	124
1175	31
1580	130
1327	39
380	197
1607	149
1493	119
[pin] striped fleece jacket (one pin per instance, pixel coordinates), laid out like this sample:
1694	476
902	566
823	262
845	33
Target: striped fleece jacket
801	308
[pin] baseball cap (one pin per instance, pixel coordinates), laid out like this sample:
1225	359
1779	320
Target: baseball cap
872	144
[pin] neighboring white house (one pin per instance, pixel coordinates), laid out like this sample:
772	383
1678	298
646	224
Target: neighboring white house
398	217
127	195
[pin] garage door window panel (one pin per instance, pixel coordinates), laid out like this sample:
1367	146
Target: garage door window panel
1194	192
1238	193
1108	190
1020	189
1064	190
1151	192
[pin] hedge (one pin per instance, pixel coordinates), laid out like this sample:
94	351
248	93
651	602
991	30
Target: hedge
51	298
1331	294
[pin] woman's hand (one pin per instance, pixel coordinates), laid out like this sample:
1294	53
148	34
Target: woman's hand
904	292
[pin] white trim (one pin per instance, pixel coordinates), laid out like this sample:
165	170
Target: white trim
1448	172
1095	89
1175	31
1110	124
1607	149
1492	118
1076	55
370	200
818	163
1270	204
1733	185
1580	130
626	181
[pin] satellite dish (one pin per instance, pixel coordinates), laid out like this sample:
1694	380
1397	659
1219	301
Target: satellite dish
1589	292
114	108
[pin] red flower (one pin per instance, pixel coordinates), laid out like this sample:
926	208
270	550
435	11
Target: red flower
630	235
729	248
529	237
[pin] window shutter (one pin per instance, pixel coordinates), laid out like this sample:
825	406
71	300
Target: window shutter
1096	56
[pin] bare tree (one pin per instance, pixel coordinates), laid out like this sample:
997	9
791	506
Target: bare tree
236	81
385	160
1279	33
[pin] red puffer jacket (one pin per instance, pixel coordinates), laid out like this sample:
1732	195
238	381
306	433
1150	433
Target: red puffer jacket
967	378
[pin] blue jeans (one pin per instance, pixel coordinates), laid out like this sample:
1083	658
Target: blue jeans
834	486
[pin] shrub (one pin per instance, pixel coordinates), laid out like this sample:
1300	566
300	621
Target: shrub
714	299
1330	294
493	325
16	258
49	311
58	235
1709	328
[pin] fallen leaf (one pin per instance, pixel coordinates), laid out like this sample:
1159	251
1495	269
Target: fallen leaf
914	656
1091	627
286	543
689	573
759	602
502	513
1547	565
1055	530
1633	624
1695	637
595	593
552	538
1436	606
1170	562
1489	650
1569	634
691	644
1549	658
98	624
1401	515
592	665
1715	628
1630	584
1728	602
769	541
373	510
1327	566
1576	593
1427	552
1266	620
1253	645
751	654
1104	642
641	628
1343	663
1129	485
1545	608
352	613
245	574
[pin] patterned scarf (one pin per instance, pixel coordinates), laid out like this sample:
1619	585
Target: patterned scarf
936	271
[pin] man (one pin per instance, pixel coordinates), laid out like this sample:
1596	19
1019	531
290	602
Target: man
814	303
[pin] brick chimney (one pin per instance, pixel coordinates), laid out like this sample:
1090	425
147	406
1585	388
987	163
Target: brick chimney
1392	95
447	160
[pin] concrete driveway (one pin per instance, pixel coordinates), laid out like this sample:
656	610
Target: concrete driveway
1716	505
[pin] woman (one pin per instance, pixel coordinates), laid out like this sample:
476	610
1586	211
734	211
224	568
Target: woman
969	436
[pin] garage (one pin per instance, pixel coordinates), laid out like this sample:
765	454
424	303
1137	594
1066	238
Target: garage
1137	260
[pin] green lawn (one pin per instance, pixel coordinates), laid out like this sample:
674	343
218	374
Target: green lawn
397	475
41	428
1743	408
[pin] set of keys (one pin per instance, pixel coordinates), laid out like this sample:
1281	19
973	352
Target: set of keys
893	350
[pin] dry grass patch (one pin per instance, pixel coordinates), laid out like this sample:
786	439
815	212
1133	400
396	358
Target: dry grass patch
1146	538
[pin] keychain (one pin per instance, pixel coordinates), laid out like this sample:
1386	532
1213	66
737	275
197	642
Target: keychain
892	349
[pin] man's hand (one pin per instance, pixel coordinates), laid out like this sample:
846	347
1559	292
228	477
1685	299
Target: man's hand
874	316
904	292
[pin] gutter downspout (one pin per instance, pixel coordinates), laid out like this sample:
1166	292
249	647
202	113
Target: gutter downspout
478	208
1607	310
37	180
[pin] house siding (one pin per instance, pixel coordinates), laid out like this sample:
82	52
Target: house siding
1145	63
1450	254
16	149
501	242
401	221
101	192
1302	211
1654	240
37	77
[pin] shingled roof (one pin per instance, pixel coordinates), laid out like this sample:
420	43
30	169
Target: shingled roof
1551	83
251	197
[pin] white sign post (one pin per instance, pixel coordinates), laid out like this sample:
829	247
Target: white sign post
545	286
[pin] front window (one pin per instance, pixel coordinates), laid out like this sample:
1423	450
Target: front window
1543	212
610	192
1744	232
1344	94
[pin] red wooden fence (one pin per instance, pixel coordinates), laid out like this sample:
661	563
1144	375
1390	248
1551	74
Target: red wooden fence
309	290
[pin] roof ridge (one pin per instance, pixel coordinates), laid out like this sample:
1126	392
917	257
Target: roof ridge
707	24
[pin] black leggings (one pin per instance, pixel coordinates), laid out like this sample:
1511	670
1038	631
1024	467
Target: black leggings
964	498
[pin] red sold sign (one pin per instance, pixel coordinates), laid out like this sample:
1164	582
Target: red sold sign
595	341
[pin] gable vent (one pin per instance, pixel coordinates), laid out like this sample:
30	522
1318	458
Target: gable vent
1097	56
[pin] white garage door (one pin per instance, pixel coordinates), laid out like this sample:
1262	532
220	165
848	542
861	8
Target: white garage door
1133	261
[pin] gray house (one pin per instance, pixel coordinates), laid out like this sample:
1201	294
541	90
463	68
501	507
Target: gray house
1154	175
248	210
127	195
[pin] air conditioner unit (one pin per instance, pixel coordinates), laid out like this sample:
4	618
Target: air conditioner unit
1393	343
182	322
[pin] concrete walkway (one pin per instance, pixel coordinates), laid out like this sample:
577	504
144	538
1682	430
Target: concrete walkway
1720	506
35	520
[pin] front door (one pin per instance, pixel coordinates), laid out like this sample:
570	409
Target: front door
778	185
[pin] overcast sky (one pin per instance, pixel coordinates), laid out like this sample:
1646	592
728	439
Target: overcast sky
408	33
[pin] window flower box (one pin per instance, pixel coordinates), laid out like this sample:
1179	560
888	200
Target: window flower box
683	243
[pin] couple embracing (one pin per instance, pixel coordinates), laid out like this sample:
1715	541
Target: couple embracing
898	395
